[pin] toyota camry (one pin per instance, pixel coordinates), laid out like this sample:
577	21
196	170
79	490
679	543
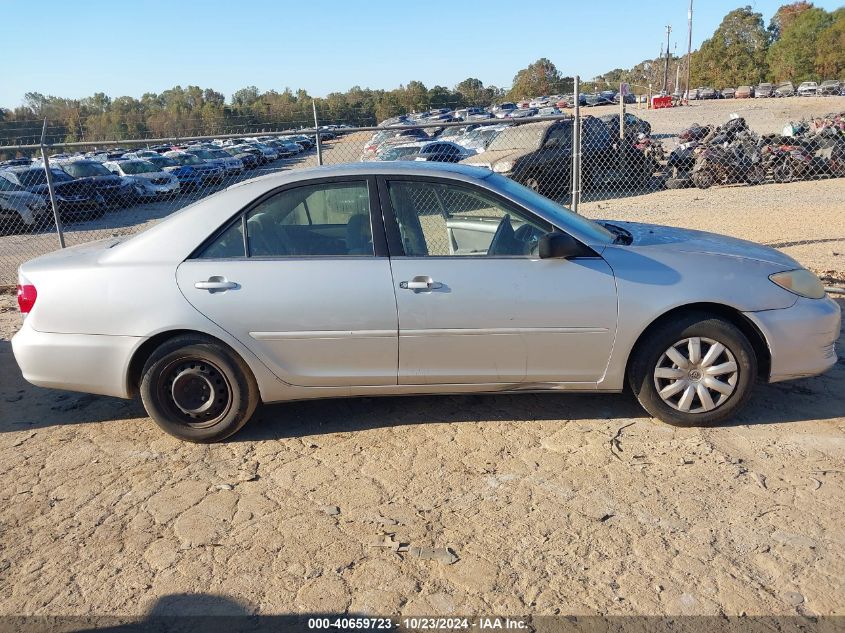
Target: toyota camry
400	278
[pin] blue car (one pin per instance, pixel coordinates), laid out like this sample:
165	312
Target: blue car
187	175
208	171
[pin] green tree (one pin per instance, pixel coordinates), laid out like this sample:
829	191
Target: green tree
540	78
785	16
830	48
736	53
793	55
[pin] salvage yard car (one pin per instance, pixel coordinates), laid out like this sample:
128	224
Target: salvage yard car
398	278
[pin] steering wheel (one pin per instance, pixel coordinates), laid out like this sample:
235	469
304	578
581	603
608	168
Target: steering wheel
528	236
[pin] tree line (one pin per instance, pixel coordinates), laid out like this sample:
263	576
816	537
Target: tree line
801	42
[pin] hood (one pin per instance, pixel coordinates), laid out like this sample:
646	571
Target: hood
690	241
151	175
492	157
21	197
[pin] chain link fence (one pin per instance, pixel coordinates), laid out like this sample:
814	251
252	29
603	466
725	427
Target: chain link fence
98	190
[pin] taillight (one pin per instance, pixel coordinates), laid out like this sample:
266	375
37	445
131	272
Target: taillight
26	298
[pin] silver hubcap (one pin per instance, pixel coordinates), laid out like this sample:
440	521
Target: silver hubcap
696	375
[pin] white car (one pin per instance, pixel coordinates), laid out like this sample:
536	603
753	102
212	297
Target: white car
19	207
808	89
149	180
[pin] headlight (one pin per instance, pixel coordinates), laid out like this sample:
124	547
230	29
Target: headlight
800	282
503	166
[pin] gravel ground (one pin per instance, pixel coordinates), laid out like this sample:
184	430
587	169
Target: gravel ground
552	504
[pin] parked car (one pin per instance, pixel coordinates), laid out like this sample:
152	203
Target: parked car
472	112
523	113
479	139
539	155
744	92
808	89
436	151
20	209
707	93
189	176
114	189
634	126
208	172
75	199
764	90
728	93
503	110
149	181
785	89
830	87
549	111
398	152
229	163
243	299
249	159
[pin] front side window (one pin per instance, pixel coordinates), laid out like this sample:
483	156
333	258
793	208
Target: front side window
437	220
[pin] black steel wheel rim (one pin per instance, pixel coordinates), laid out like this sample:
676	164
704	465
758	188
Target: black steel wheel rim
195	392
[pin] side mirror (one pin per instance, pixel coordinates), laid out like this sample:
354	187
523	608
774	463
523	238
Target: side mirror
557	245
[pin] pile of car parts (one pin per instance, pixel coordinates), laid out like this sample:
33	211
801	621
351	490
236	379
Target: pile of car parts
733	154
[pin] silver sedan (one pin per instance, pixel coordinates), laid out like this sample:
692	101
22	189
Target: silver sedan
397	278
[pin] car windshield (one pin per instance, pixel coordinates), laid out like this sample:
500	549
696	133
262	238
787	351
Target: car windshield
523	137
201	153
162	161
8	185
32	177
86	170
137	167
559	215
188	159
218	153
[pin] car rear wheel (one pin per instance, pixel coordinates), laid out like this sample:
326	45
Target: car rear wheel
694	371
198	390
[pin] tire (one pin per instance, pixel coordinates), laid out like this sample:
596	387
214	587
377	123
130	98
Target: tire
783	172
677	183
702	179
651	371
201	366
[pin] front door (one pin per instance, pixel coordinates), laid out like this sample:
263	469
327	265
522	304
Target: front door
305	291
476	305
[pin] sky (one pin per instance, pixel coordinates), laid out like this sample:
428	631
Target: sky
129	47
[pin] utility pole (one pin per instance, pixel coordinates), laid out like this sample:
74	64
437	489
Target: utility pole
666	64
689	47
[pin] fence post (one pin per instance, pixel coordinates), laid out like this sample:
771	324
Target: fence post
49	175
576	148
317	134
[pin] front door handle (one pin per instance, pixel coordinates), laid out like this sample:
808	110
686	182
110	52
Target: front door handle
422	282
216	283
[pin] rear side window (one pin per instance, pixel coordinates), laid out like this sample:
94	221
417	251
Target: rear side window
330	219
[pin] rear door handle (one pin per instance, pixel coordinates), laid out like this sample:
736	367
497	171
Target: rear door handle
216	284
422	282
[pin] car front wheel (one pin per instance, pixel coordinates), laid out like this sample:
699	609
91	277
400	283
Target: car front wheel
197	389
697	370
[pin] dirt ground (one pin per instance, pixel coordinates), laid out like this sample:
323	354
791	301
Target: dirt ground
552	504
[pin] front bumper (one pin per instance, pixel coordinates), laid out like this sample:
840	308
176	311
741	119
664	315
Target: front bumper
801	338
151	190
75	362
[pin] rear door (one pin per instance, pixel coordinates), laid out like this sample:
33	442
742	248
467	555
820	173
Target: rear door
302	279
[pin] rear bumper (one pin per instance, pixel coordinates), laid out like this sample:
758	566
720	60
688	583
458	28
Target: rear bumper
802	338
75	362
